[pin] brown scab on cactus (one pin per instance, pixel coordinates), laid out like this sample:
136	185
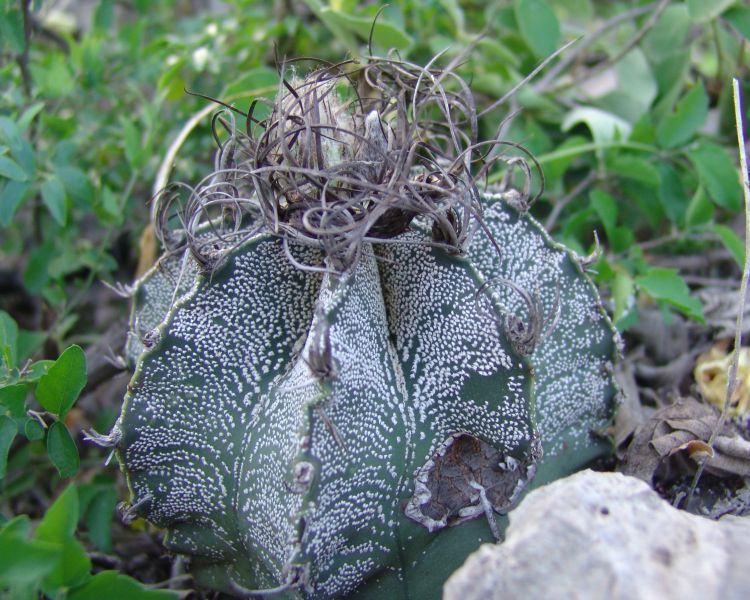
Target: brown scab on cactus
465	479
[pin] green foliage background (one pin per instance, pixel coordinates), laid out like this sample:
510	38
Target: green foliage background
632	124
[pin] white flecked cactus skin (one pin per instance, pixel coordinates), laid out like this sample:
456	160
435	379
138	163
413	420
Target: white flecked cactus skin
277	419
341	392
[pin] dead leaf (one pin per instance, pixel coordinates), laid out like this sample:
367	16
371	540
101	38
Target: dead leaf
674	439
712	374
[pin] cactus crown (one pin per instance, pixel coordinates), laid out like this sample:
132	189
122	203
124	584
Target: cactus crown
337	357
339	164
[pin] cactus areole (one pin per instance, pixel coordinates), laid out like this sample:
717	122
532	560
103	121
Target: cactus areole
351	361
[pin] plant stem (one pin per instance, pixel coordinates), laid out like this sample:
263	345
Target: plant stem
734	365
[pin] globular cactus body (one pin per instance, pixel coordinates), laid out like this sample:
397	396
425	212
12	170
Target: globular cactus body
348	400
279	421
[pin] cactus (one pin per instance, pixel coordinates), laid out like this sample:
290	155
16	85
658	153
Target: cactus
342	400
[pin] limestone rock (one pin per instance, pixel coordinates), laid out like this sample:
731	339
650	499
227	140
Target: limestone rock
607	535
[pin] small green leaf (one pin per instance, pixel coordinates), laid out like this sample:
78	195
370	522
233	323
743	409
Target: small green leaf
76	184
111	584
739	17
11	30
702	11
133	145
666	285
53	196
604	126
668	36
37	370
700	210
59	388
73	570
20	148
689	115
623	292
100	503
36	275
254	79
538	25
672	194
13	398
385	34
606	207
732	243
11	169
556	168
8	341
62	450
8	431
718	174
59	522
33	430
25	562
12	195
635	168
28	343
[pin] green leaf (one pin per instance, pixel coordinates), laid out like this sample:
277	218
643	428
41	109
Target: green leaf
77	184
38	369
700	210
11	30
53	197
636	88
59	388
635	168
104	14
606	207
98	501
702	11
36	275
672	194
739	17
8	431
668	36
556	168
538	25
666	285
13	397
12	195
59	522
386	35
623	292
8	341
732	243
604	126
11	169
25	562
20	148
62	450
689	115
111	584
718	174
53	76
28	343
255	79
33	430
131	137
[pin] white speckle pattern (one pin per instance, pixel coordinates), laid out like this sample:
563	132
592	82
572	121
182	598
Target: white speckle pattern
160	287
575	393
252	460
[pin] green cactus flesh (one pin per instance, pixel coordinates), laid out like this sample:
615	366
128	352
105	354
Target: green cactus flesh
333	435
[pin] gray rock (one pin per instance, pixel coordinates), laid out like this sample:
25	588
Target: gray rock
607	535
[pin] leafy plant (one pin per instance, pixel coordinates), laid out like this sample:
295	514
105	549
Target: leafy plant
50	560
